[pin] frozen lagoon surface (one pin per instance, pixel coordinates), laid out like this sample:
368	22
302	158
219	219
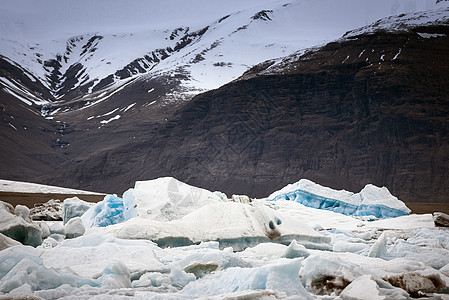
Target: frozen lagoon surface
165	239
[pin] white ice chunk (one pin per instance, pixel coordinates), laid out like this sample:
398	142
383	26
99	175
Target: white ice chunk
45	229
282	277
426	245
115	276
232	224
22	211
344	246
74	228
49	243
295	250
321	274
165	199
264	251
21	265
363	288
17	228
89	255
23	291
74	207
6	242
180	278
379	248
222	196
57	228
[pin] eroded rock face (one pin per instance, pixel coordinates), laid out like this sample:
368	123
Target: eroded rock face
368	109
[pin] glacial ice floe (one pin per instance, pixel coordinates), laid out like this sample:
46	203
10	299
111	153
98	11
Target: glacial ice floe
168	240
172	213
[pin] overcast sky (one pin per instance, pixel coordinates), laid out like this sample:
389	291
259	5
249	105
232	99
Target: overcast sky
33	20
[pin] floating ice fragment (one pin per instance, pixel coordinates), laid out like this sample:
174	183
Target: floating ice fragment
21	265
45	229
426	245
104	213
222	196
165	199
371	201
115	276
6	242
74	228
49	243
23	212
180	278
363	288
280	277
74	207
344	246
89	255
295	250
200	269
17	228
57	228
379	248
327	274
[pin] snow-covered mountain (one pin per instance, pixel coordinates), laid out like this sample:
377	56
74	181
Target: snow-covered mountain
84	51
113	80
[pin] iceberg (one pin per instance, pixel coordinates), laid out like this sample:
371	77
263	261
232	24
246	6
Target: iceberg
165	199
74	228
74	207
106	212
17	228
162	199
370	201
172	213
232	224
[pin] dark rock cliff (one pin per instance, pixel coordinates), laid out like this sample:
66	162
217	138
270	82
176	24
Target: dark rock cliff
368	109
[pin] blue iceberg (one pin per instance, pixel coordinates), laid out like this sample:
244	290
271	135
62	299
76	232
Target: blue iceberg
107	212
370	201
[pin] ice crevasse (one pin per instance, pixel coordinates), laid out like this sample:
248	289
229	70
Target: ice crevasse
370	201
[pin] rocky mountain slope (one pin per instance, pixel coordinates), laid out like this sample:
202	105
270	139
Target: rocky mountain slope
369	108
104	109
